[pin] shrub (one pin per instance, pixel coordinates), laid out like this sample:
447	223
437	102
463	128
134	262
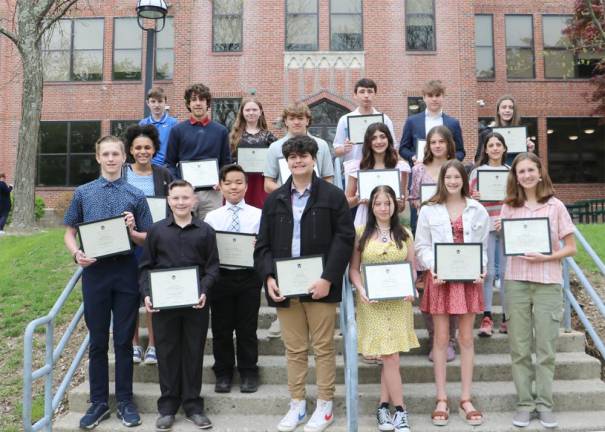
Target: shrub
39	207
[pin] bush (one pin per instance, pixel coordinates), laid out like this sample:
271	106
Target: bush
39	207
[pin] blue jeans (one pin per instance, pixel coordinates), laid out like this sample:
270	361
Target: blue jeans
495	255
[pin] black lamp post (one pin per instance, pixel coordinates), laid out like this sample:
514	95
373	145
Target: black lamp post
153	10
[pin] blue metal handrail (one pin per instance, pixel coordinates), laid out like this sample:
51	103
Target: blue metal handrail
51	402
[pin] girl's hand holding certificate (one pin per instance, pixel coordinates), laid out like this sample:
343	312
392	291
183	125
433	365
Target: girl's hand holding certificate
437	281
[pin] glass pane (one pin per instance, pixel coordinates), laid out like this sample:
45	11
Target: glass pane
56	66
225	111
558	64
326	113
59	36
519	63
227	7
53	137
301	32
346	33
484	67
419	33
82	169
519	31
419	6
553	31
483	30
345	6
127	65
118	127
164	64
302	6
585	65
532	130
83	136
127	33
88	34
227	33
51	170
88	66
165	38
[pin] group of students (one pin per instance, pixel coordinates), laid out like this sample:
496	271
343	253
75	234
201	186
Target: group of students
304	216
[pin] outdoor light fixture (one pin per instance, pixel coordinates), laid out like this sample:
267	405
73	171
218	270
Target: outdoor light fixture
588	131
549	131
151	9
573	137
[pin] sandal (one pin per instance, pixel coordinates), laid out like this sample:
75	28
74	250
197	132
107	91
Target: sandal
468	416
444	415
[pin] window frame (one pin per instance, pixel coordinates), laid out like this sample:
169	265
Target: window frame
493	77
287	14
113	52
332	14
406	21
215	111
532	48
241	23
155	54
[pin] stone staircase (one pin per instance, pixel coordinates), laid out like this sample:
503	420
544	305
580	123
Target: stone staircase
579	392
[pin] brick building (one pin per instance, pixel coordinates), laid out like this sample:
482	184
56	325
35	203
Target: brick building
312	51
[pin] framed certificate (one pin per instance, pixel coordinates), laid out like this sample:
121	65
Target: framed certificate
525	235
420	146
427	190
515	137
252	159
284	171
388	281
157	206
174	288
201	173
105	237
235	249
491	184
367	180
295	275
358	124
459	262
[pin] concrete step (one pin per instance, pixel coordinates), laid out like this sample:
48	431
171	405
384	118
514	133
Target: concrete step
569	421
497	396
414	369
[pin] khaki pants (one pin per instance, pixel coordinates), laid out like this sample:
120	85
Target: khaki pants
314	322
208	200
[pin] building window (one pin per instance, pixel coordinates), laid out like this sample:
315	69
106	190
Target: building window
484	47
227	25
346	32
519	46
325	114
301	25
67	153
225	110
164	51
118	127
73	50
415	105
575	150
420	25
127	43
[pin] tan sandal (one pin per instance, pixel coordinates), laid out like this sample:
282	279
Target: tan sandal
468	416
444	415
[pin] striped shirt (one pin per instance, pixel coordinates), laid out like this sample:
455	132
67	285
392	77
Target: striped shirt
299	202
548	272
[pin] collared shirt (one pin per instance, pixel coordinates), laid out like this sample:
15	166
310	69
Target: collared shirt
101	199
299	202
170	246
561	225
249	218
203	122
432	121
163	125
142	182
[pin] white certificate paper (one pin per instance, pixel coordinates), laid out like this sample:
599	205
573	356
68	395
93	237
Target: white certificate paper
358	124
252	159
201	173
367	180
106	237
427	190
526	235
284	171
296	275
515	138
460	262
420	145
174	288
491	184
235	249
388	281
157	206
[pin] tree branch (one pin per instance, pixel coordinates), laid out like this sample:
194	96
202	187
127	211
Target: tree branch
12	36
595	20
59	11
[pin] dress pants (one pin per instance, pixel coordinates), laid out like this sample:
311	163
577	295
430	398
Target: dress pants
180	336
110	286
3	218
234	306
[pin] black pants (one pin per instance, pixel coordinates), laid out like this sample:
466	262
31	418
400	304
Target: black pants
180	336
235	302
3	218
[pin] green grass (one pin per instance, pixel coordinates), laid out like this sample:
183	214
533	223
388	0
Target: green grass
33	272
595	235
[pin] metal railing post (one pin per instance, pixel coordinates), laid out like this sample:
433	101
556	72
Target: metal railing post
566	305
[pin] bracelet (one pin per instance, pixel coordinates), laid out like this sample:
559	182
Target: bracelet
75	256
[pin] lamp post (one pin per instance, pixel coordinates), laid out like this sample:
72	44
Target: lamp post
152	10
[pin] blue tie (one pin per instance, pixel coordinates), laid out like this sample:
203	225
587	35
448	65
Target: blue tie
234	227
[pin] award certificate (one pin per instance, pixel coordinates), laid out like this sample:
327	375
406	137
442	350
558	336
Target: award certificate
235	249
252	159
526	235
515	137
174	288
367	180
388	281
420	146
284	171
201	173
357	125
460	262
427	190
105	237
491	184
295	275
157	206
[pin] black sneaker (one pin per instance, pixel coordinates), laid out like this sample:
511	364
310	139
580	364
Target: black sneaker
128	413
96	413
249	384
199	420
164	422
223	384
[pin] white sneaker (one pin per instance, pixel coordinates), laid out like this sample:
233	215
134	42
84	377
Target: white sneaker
274	329
322	417
497	283
137	354
295	416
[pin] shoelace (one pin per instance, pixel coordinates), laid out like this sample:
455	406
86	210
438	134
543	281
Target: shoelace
400	419
384	416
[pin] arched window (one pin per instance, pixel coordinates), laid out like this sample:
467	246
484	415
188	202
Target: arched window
325	118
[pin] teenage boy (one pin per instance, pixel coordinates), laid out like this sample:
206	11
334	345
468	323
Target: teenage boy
306	216
180	240
196	139
236	297
156	101
363	94
109	285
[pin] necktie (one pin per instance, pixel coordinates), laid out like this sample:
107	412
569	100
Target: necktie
234	227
